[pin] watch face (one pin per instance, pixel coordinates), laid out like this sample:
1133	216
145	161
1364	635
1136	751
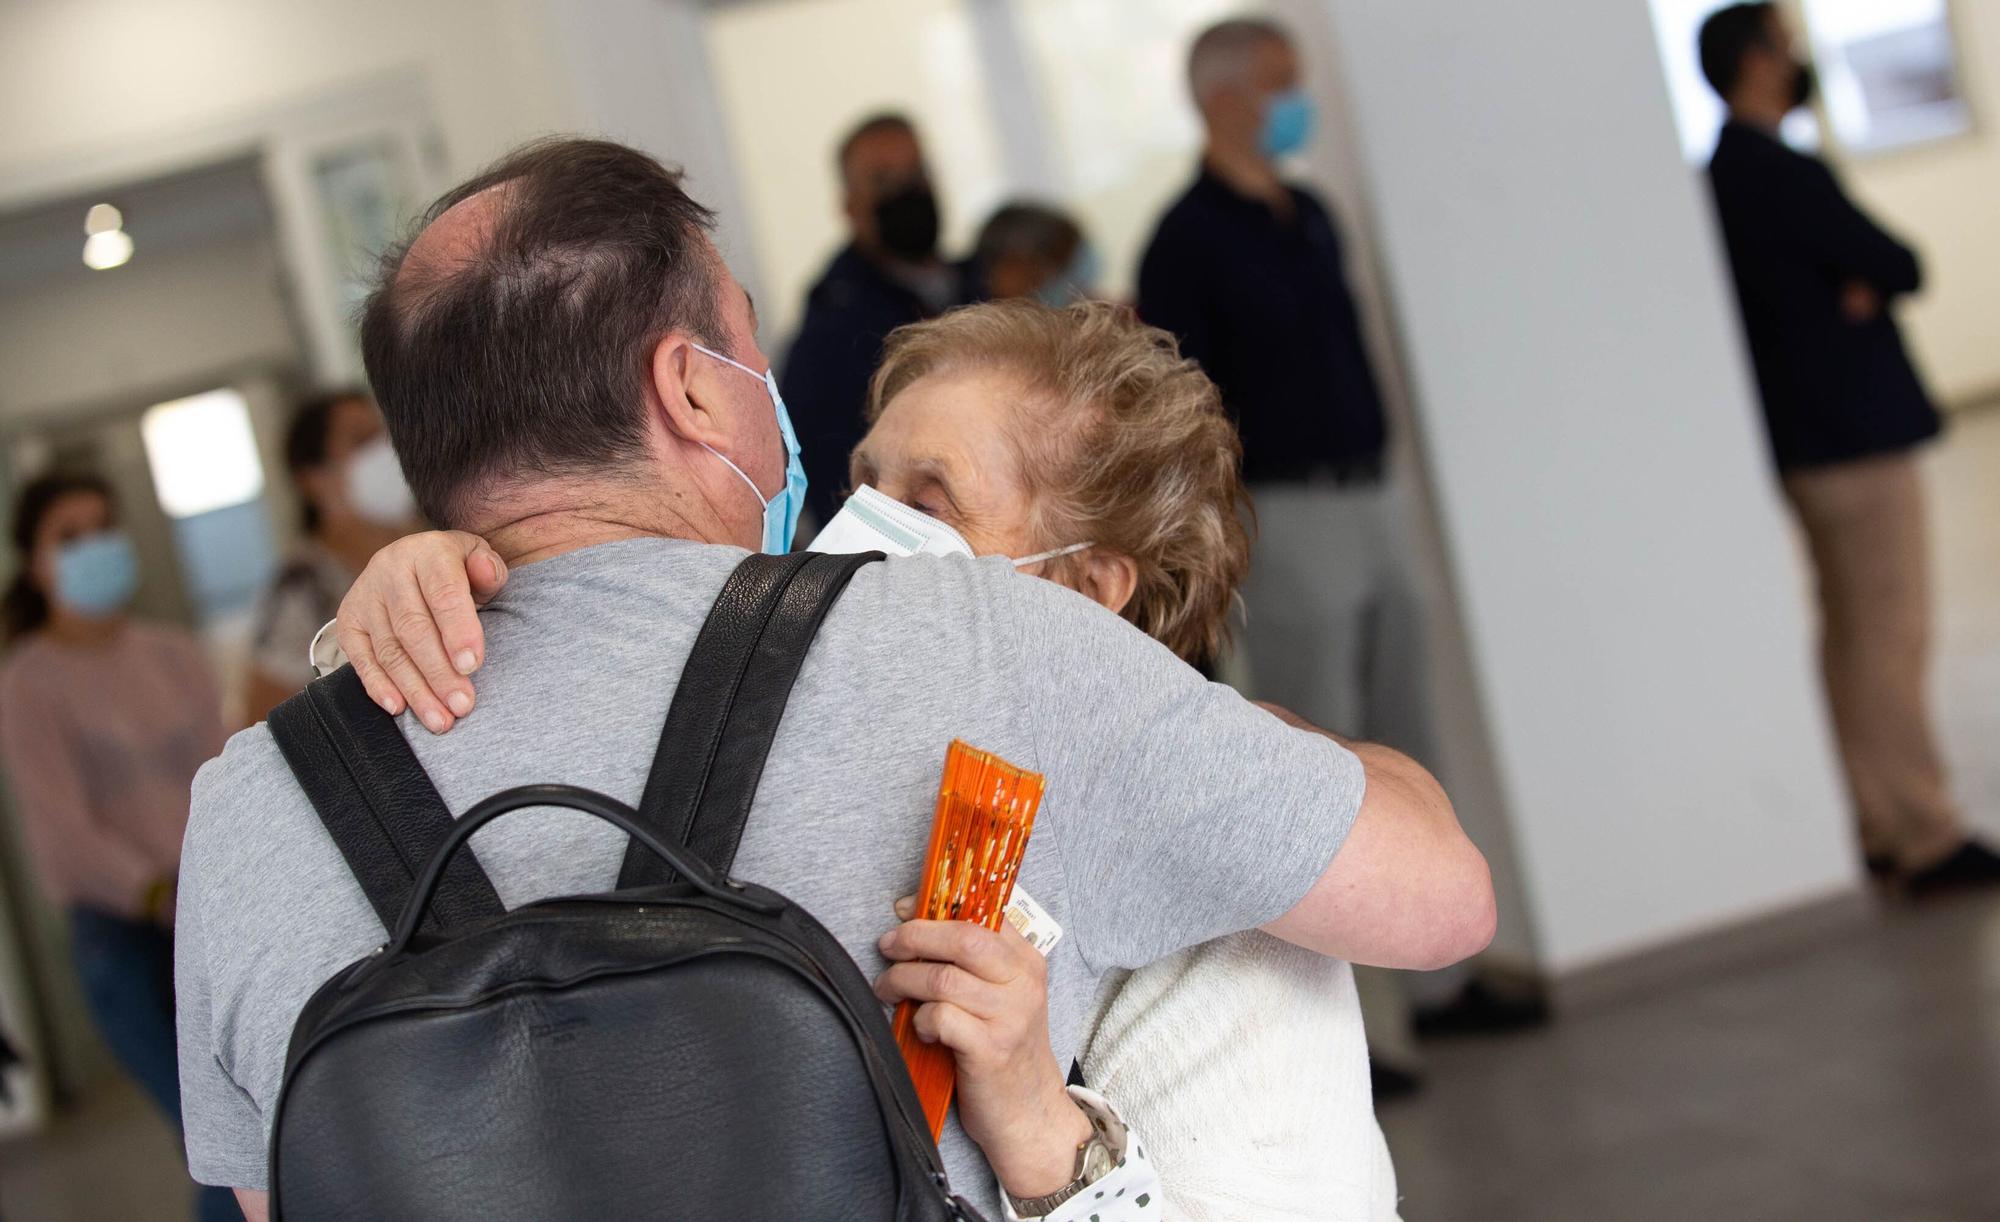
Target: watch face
1097	1162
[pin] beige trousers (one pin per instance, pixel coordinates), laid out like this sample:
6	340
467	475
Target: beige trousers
1864	523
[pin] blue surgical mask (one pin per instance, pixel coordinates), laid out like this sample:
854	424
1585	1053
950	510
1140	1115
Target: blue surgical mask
1074	283
781	510
1288	123
97	575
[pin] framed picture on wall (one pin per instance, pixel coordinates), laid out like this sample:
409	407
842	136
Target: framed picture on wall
1888	70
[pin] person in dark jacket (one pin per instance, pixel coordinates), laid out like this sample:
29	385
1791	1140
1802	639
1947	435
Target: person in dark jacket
888	274
1815	277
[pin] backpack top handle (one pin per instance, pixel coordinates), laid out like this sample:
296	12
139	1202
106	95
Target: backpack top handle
690	868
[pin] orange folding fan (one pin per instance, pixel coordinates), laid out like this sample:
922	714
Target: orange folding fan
985	810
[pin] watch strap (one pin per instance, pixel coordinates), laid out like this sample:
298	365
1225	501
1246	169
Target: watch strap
1108	1133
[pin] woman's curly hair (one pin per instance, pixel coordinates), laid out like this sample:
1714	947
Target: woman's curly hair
1122	441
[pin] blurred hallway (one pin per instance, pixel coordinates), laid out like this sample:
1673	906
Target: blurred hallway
1860	1081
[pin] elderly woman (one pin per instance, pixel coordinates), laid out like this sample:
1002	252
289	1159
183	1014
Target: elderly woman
1081	442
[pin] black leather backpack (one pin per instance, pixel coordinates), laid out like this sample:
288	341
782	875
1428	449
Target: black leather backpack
685	1047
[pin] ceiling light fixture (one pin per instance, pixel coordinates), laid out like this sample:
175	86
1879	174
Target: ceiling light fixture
106	250
107	244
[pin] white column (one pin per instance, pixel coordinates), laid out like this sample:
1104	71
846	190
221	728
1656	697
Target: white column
640	74
1632	601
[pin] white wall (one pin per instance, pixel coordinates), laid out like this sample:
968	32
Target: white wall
81	76
157	324
1634	620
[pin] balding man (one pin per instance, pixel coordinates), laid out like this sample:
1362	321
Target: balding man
568	369
888	274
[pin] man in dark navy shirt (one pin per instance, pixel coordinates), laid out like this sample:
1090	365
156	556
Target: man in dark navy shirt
1246	269
1845	408
887	275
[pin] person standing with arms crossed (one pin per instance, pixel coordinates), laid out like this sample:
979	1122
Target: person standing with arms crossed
1846	411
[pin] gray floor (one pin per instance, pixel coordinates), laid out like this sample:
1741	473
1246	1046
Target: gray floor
1859	1081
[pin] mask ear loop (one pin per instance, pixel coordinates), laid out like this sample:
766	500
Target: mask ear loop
1038	557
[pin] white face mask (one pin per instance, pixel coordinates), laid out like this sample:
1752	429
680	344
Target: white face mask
376	489
871	522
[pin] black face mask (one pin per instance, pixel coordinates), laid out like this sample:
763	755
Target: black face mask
907	223
1805	82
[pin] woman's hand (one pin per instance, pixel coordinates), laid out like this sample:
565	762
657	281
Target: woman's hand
410	623
984	994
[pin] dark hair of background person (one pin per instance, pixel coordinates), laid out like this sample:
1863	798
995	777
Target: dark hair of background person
1023	230
305	442
23	608
875	124
530	351
1727	34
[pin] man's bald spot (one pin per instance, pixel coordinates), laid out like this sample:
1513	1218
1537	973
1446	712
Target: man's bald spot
455	238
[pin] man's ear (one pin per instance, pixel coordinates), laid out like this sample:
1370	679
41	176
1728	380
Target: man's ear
681	384
1108	578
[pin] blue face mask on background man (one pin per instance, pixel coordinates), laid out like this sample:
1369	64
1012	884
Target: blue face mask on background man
97	575
781	510
1288	123
1077	282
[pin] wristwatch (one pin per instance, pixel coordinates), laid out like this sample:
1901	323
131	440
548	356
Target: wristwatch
1099	1155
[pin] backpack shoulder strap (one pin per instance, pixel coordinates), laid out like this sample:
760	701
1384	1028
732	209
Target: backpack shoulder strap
376	801
731	697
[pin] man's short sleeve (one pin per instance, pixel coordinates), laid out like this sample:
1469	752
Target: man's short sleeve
225	1130
1185	812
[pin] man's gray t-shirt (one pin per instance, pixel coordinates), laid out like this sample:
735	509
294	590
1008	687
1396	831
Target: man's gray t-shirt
1175	811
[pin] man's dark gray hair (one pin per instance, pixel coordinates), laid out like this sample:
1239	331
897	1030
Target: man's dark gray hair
1727	35
873	125
521	342
1028	230
1223	53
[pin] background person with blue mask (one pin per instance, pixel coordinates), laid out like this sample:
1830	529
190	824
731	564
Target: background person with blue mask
1029	249
1246	269
104	721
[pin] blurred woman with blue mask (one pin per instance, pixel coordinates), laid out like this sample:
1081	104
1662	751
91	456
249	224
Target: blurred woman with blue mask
104	719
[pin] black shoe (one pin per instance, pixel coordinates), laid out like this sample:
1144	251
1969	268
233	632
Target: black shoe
1482	1009
1393	1083
1970	867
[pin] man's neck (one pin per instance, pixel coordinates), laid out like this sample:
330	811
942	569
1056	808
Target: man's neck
1766	117
1247	171
544	523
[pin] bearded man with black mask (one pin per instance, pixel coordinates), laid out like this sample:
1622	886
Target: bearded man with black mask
1816	278
887	275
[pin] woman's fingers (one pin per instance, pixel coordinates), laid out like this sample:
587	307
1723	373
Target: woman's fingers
411	623
484	568
942	982
393	655
999	955
941	1022
361	655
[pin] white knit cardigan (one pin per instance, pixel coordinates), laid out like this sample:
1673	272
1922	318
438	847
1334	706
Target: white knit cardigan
1241	1066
